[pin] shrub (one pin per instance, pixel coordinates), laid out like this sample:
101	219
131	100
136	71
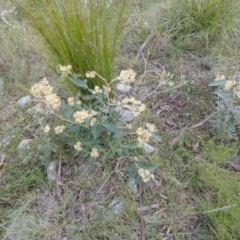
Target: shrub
93	126
84	33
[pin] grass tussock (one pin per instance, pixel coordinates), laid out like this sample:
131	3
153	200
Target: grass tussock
82	33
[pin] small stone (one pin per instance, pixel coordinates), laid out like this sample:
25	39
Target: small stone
148	148
125	114
37	109
117	206
132	185
1	83
123	88
23	101
52	171
24	145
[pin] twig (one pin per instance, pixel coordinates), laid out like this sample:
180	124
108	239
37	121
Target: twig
5	20
203	121
149	39
218	209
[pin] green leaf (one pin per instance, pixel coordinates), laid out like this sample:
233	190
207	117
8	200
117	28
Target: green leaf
217	83
68	112
88	97
147	166
74	129
224	93
95	132
111	127
78	82
156	137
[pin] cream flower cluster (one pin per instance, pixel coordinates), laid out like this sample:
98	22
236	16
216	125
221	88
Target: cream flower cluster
71	101
133	105
127	76
94	153
93	121
66	69
220	77
145	175
97	90
230	84
43	90
145	134
81	116
78	146
90	74
46	129
59	129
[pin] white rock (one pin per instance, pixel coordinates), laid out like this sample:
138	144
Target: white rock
117	206
132	185
123	88
37	109
24	145
125	114
23	101
52	171
148	148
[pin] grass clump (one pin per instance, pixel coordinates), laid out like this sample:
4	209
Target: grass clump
221	199
191	17
83	33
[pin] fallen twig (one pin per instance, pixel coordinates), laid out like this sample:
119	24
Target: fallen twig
143	46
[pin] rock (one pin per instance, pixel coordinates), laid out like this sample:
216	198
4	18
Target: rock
123	88
117	206
5	141
125	114
37	109
148	148
52	171
132	185
23	101
24	145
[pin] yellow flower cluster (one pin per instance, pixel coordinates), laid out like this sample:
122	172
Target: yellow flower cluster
43	91
230	84
143	136
127	76
46	129
81	116
145	175
90	74
150	127
66	69
78	146
93	121
220	77
97	90
71	101
59	129
133	105
236	90
94	153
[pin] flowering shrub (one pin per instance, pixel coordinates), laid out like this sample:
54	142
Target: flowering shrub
92	126
228	119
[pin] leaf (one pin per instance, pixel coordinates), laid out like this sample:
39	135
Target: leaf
95	132
88	97
156	137
224	93
78	82
147	166
217	83
68	112
74	129
111	127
